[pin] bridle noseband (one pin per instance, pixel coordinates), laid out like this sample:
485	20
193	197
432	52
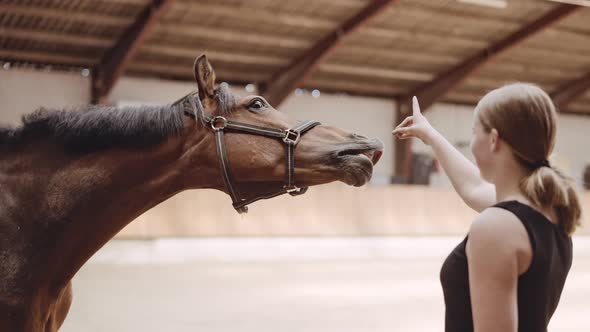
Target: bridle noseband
220	124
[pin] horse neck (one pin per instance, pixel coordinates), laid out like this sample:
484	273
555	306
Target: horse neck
77	203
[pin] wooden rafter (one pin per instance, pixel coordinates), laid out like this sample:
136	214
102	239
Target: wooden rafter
55	37
570	91
237	58
430	92
255	15
60	14
116	60
179	71
196	32
285	80
46	58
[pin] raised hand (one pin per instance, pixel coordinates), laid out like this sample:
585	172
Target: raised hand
415	125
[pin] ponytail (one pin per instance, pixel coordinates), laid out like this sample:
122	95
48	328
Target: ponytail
549	188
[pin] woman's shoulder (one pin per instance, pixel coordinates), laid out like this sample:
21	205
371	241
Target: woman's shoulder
495	225
495	221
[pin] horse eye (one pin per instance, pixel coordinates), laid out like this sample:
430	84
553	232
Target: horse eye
257	104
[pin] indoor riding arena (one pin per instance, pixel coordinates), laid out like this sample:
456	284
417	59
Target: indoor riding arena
137	137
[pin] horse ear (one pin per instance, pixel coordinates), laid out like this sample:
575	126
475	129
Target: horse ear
205	76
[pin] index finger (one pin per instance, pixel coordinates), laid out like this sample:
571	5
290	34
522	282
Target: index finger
415	106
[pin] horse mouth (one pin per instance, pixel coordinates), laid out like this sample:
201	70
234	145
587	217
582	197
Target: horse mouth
371	155
356	162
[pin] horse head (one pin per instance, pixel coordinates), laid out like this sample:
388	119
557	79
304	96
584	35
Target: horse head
262	152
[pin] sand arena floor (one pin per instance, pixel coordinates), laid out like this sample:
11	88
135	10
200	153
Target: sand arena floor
282	284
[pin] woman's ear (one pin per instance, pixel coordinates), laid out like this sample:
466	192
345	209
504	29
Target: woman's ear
494	140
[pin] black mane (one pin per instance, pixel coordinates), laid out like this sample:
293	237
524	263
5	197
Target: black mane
89	128
93	127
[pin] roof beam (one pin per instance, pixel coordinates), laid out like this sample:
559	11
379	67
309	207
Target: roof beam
116	60
569	91
373	72
198	33
59	14
430	92
236	58
178	70
46	58
285	80
55	37
255	15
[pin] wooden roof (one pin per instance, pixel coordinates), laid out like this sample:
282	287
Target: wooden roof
401	50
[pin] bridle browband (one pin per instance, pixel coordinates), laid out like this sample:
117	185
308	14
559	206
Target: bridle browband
220	124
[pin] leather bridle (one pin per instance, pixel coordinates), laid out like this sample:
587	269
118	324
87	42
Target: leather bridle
219	124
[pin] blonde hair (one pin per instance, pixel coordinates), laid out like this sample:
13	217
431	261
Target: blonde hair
525	118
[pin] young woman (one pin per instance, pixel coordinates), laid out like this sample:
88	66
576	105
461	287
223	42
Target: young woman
508	273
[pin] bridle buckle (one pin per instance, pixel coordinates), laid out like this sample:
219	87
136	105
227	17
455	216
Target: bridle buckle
218	120
291	136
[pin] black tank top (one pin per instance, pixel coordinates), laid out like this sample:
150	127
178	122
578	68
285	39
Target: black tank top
539	288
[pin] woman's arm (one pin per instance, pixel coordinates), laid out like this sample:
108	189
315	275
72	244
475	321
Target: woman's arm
495	241
464	175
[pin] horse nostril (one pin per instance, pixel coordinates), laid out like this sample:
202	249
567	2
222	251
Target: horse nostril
357	136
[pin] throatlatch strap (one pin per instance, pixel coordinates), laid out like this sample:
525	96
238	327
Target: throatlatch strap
241	206
227	175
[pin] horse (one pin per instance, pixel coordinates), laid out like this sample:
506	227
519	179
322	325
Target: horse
71	179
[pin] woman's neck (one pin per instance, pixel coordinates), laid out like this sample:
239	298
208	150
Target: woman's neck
507	183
